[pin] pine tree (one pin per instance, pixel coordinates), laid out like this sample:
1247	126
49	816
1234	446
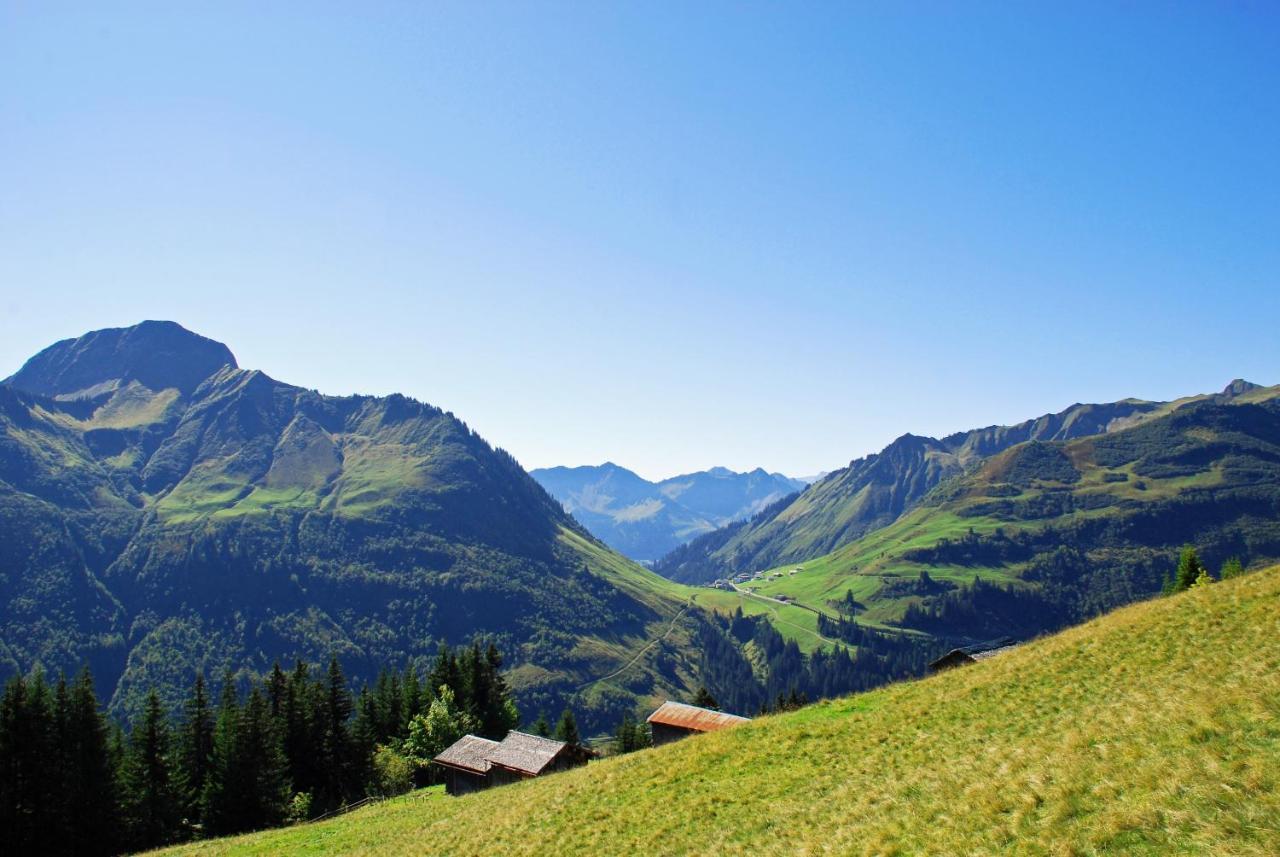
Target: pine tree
1189	570
336	749
414	699
248	785
631	736
1232	568
541	726
567	728
219	797
195	749
277	689
29	777
152	803
704	699
299	739
89	788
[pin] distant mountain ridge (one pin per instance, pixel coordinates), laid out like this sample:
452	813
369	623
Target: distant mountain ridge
644	520
164	511
874	491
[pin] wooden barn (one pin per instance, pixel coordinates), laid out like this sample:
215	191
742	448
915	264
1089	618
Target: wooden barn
472	763
675	720
520	756
972	654
466	764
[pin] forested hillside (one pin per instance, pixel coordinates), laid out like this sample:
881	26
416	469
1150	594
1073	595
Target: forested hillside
163	511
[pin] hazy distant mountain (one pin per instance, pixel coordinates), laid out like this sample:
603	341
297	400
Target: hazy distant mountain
644	519
163	511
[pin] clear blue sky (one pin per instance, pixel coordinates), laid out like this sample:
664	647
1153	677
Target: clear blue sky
670	235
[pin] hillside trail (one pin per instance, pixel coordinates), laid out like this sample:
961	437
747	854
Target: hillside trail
629	664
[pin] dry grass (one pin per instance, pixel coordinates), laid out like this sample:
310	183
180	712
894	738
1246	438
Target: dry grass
1155	730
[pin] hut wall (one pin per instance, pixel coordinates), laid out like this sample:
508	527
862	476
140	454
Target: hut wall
460	782
664	734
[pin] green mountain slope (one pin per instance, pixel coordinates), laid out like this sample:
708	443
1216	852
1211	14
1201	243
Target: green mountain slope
1061	531
152	525
875	491
645	520
1153	730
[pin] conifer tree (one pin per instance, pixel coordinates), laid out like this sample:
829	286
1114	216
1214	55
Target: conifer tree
567	728
195	749
151	801
1233	567
541	726
414	700
1189	569
336	750
704	699
91	788
277	688
29	775
248	783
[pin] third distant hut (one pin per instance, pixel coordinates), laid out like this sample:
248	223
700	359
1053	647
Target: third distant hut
675	720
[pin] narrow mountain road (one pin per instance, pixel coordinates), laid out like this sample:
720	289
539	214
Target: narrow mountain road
778	618
629	664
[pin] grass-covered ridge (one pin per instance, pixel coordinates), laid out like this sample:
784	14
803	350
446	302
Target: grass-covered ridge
1153	730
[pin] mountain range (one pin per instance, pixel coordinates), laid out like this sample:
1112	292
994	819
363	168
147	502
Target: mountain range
875	491
164	511
1015	531
645	520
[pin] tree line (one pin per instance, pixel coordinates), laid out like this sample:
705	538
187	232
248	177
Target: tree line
783	677
287	748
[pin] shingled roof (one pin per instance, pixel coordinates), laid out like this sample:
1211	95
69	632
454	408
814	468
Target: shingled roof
526	753
974	652
694	718
469	753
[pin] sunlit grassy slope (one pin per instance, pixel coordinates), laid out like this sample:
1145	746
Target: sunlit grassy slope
1153	730
1123	503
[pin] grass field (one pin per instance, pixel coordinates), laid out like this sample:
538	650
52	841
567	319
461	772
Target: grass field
1153	730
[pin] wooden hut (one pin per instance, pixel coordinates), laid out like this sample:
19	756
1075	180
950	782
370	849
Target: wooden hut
675	720
472	763
466	764
521	756
972	654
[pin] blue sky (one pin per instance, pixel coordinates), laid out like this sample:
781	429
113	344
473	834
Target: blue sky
670	235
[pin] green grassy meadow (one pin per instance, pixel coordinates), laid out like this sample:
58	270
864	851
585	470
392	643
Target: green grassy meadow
1152	730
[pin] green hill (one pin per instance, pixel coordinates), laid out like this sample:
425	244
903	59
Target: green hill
1152	730
1054	533
164	511
875	491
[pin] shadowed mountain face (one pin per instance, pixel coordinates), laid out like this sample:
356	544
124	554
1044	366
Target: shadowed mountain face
875	491
154	523
644	520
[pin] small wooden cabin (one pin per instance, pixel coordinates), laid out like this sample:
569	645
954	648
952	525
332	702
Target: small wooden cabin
472	763
521	756
466	764
972	654
675	720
